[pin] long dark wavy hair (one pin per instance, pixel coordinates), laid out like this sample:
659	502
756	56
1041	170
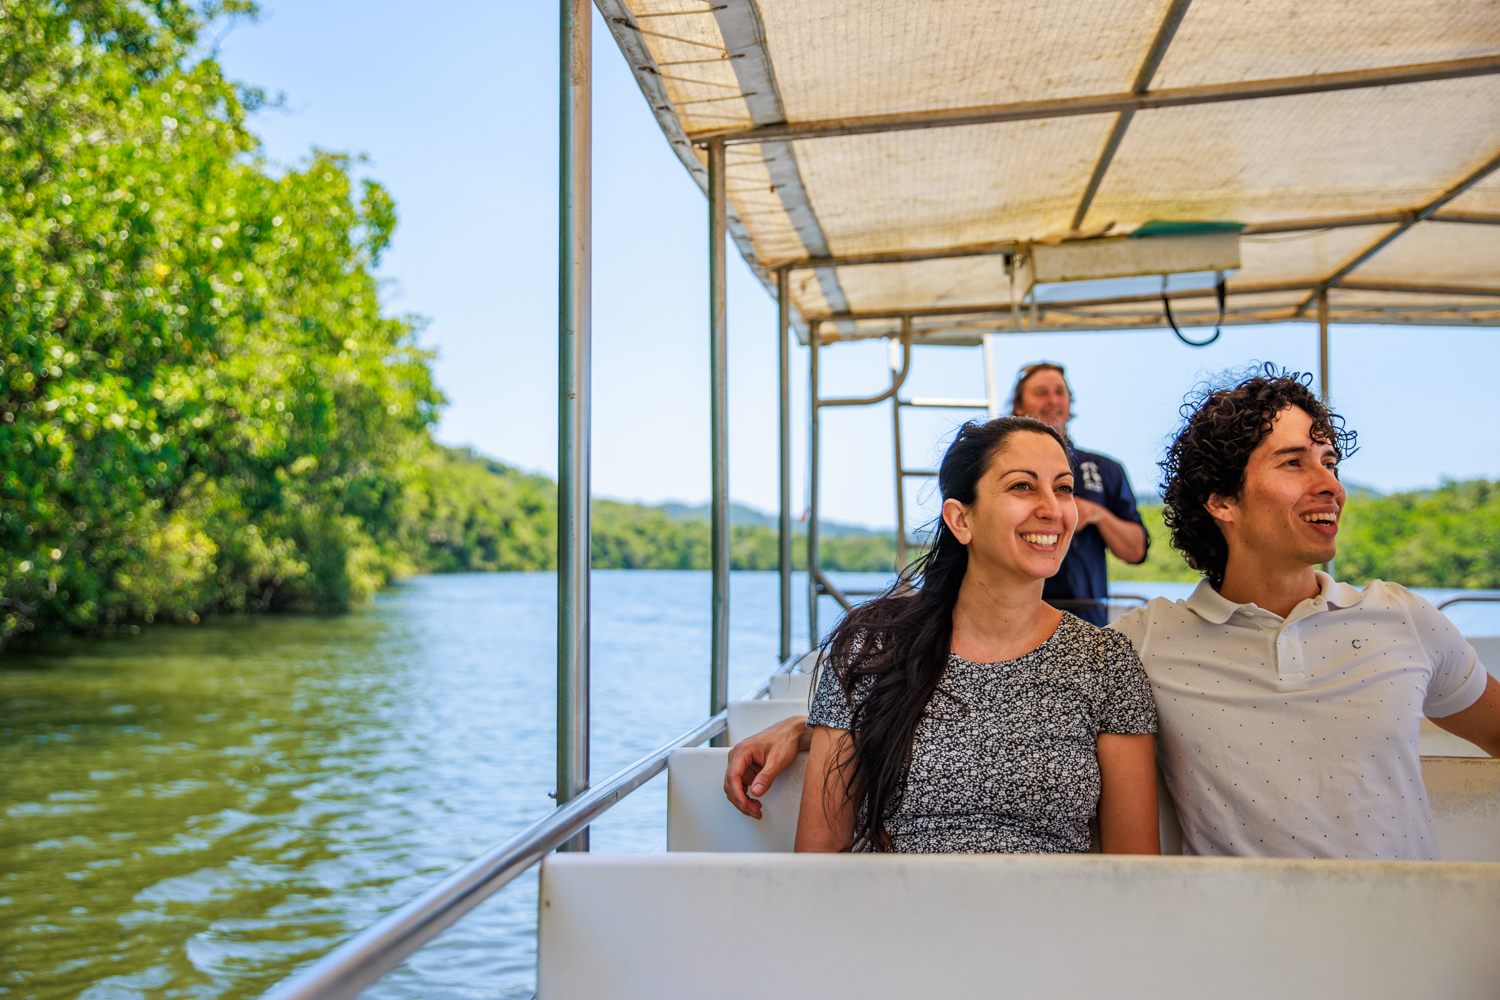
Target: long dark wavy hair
889	653
1220	428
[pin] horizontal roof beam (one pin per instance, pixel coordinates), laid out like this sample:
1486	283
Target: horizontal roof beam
991	308
1427	211
1416	289
1252	229
1374	219
1250	90
1473	218
901	256
1005	307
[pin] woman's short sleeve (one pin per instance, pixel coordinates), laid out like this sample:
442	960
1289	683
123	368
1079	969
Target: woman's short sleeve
829	706
1129	708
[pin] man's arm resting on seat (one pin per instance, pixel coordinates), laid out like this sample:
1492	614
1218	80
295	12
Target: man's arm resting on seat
756	761
1126	539
1480	722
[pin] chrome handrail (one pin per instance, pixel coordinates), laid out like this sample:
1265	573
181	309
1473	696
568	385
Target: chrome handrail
1084	603
1486	598
357	963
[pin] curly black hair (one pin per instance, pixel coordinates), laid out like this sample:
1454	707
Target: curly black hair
1221	427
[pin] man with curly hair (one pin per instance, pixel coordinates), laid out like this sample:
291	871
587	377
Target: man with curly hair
1290	703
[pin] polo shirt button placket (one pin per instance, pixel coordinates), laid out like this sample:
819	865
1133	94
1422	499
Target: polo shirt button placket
1288	654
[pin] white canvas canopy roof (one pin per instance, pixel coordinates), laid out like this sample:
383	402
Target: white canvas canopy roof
896	153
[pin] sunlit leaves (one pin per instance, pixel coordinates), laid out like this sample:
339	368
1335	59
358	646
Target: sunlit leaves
202	405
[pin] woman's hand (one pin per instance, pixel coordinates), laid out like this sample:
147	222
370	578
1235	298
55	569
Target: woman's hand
756	761
826	821
1128	818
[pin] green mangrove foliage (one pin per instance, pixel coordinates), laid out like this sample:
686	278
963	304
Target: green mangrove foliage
467	512
202	407
1446	537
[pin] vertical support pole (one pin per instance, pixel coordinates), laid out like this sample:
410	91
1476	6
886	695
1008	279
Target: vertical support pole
991	388
784	425
718	420
814	407
1324	391
901	546
575	225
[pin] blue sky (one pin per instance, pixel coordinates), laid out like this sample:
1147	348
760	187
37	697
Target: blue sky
455	105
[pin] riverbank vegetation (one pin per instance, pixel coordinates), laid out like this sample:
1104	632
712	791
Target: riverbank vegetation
204	405
205	408
1443	537
469	513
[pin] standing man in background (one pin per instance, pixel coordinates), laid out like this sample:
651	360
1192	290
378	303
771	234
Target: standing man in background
1107	518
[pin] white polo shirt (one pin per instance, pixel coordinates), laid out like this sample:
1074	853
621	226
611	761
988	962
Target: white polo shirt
1297	736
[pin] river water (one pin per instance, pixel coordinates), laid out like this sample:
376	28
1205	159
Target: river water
195	811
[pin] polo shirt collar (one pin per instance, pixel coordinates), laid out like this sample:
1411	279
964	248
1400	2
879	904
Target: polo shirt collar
1212	606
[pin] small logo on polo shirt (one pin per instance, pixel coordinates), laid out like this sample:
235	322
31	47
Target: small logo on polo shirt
1092	481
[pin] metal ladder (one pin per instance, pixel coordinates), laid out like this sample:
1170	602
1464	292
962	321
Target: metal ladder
990	404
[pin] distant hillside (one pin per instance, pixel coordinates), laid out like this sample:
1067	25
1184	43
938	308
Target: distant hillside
743	514
471	513
1444	537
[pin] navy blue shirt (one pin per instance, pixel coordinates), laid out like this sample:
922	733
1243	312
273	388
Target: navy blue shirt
1082	574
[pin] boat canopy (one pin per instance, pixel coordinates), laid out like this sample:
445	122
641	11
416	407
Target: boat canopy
906	159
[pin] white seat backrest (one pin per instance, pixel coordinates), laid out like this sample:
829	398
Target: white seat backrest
1044	927
700	818
746	718
1435	742
1488	648
792	687
1464	794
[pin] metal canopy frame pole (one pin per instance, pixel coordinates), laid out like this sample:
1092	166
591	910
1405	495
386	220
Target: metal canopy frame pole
574	349
1253	229
1143	78
1422	214
901	545
1176	97
814	406
784	427
1323	389
991	384
718	421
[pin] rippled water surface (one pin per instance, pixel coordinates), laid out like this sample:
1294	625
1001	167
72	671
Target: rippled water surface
195	811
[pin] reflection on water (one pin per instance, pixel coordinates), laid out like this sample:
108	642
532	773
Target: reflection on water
194	811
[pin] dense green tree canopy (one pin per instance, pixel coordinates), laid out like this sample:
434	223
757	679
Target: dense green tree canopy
203	405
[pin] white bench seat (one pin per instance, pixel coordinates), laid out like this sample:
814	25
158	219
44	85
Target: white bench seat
1463	792
792	687
894	927
746	718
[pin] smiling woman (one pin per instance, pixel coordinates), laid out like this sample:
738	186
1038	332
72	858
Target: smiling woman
929	731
